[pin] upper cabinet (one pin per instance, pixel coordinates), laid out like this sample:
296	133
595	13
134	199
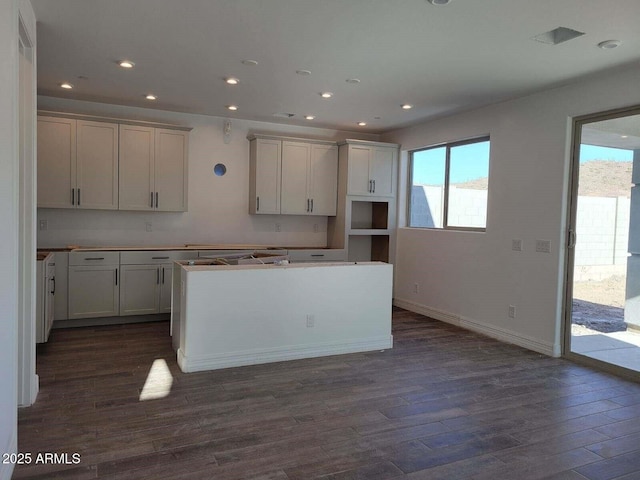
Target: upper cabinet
293	176
77	164
265	172
371	167
111	165
153	169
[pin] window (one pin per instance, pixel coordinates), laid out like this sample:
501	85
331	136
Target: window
449	185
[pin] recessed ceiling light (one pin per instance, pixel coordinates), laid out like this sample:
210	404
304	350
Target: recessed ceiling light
233	108
249	62
624	136
407	106
232	80
304	73
609	44
326	94
352	80
309	117
439	2
150	96
362	124
66	86
126	64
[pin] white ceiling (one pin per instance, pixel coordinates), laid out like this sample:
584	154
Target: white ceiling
441	59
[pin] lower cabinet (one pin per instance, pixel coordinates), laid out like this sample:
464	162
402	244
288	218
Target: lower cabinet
94	289
145	289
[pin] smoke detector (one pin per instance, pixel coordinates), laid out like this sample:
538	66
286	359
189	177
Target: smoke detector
439	2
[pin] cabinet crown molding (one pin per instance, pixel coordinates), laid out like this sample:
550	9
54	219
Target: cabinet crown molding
121	121
254	136
353	141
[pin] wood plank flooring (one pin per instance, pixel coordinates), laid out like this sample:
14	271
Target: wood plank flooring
444	403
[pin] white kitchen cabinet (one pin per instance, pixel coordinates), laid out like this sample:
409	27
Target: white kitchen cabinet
153	169
77	164
265	173
61	307
145	286
292	176
371	167
93	284
45	296
94	289
309	178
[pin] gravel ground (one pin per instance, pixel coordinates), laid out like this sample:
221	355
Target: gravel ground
599	306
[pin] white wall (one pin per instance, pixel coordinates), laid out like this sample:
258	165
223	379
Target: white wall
9	219
218	206
471	278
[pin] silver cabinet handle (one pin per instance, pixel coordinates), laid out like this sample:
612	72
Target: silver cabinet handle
312	205
53	279
94	258
151	199
116	276
73	196
157	276
78	197
317	254
307	204
156	199
257	204
370	186
163	275
374	186
159	258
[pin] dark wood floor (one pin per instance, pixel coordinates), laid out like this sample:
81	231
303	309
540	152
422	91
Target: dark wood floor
444	403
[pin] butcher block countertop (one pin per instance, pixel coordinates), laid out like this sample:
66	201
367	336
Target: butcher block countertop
188	246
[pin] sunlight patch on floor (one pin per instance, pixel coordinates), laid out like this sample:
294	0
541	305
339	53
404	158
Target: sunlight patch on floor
158	383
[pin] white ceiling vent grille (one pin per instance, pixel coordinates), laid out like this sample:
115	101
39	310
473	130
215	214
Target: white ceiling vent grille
558	35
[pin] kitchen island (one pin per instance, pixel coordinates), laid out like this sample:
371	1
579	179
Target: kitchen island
233	315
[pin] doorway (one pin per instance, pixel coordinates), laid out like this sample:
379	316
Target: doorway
602	311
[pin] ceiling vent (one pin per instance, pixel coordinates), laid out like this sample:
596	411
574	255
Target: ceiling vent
558	35
284	115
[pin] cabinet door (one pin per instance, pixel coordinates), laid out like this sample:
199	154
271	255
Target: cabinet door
139	289
136	168
93	291
265	172
56	162
382	171
171	153
295	198
358	171
166	274
97	165
323	179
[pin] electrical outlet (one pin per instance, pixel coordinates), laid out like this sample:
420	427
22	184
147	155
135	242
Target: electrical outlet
416	288
44	224
278	227
148	226
311	321
543	246
315	228
516	245
512	311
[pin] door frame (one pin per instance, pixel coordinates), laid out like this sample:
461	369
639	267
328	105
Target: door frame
572	209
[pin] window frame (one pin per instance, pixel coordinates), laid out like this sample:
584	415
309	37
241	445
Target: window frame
445	203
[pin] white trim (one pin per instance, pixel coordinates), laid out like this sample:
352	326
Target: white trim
6	469
502	334
254	357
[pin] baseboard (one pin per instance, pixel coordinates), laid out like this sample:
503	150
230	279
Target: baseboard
254	357
93	322
498	333
6	469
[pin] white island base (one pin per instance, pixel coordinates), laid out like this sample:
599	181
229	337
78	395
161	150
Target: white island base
229	316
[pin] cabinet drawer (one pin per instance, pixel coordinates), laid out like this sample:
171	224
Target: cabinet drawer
152	257
94	258
318	255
